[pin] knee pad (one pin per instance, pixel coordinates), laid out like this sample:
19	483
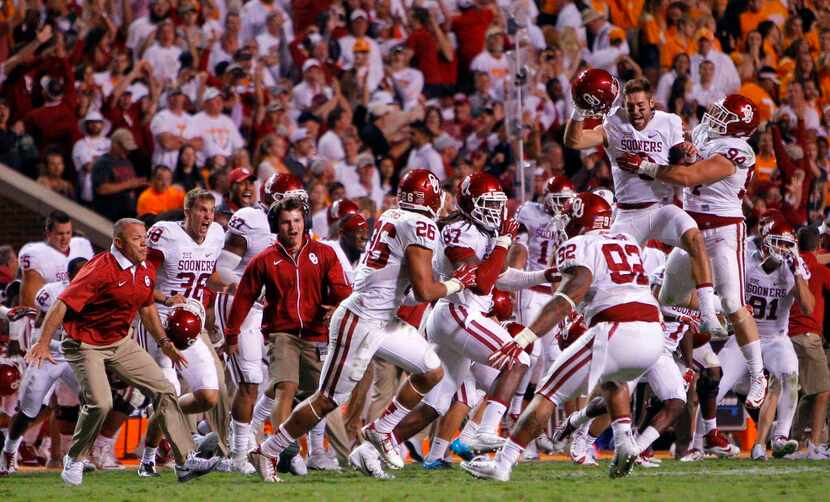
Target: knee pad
431	360
67	413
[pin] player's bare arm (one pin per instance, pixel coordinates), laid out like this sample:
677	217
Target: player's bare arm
571	291
419	268
702	172
32	282
803	295
150	318
579	138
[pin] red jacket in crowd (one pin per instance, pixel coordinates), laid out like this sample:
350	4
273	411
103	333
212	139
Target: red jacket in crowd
800	322
295	291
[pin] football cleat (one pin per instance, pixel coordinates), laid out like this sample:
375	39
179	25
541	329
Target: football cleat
815	452
385	445
757	391
530	453
545	445
485	442
647	462
89	466
782	446
693	455
461	449
579	445
437	465
8	463
626	453
195	466
323	462
562	433
484	468
715	443
267	467
240	465
73	471
365	459
713	327
759	452
147	470
298	467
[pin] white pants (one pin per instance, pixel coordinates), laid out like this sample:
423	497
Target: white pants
39	383
246	365
530	304
461	337
726	247
664	223
354	341
200	373
477	384
664	378
633	348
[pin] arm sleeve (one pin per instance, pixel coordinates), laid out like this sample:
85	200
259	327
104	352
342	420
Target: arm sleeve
247	292
514	279
85	286
488	270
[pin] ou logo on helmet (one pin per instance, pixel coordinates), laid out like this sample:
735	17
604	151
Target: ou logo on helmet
591	99
746	110
436	185
577	207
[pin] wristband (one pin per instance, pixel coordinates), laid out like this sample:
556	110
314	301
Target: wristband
566	298
525	338
577	113
503	241
648	168
453	286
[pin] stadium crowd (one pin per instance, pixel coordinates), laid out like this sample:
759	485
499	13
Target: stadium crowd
126	105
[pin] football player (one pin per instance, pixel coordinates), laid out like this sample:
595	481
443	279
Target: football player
398	257
603	271
645	209
184	254
714	186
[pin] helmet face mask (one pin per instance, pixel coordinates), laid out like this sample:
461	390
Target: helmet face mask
555	203
779	247
490	210
734	115
482	200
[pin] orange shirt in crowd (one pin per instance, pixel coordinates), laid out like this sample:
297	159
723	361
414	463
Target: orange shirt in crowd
152	202
764	168
676	43
625	13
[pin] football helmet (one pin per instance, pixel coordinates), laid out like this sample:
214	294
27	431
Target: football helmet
339	209
557	192
9	378
594	91
734	115
184	324
420	190
606	194
502	307
281	186
482	199
586	212
778	239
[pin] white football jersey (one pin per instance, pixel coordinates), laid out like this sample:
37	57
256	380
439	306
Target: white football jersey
616	262
348	267
251	223
673	330
723	197
49	262
653	260
463	238
664	131
44	299
381	278
544	234
770	295
187	265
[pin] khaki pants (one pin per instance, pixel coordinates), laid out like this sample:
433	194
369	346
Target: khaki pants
135	367
218	417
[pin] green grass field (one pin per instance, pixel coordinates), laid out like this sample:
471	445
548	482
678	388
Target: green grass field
731	480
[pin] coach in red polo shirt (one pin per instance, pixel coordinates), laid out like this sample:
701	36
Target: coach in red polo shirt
96	310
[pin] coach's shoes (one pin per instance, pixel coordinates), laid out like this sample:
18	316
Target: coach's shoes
626	453
693	455
267	466
366	459
757	391
195	466
461	449
759	452
782	446
8	463
147	470
715	443
73	471
483	468
384	443
485	442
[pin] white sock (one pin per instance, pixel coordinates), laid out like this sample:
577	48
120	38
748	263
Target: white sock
391	417
437	449
647	437
492	417
754	361
262	411
516	404
149	455
239	438
579	418
697	441
468	432
11	445
275	444
621	427
709	425
706	299
315	438
509	453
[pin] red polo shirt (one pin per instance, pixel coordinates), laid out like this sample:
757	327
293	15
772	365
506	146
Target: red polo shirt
801	323
104	297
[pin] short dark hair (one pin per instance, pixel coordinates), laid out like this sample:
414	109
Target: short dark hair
75	265
159	168
334	116
56	217
638	85
288	204
808	239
